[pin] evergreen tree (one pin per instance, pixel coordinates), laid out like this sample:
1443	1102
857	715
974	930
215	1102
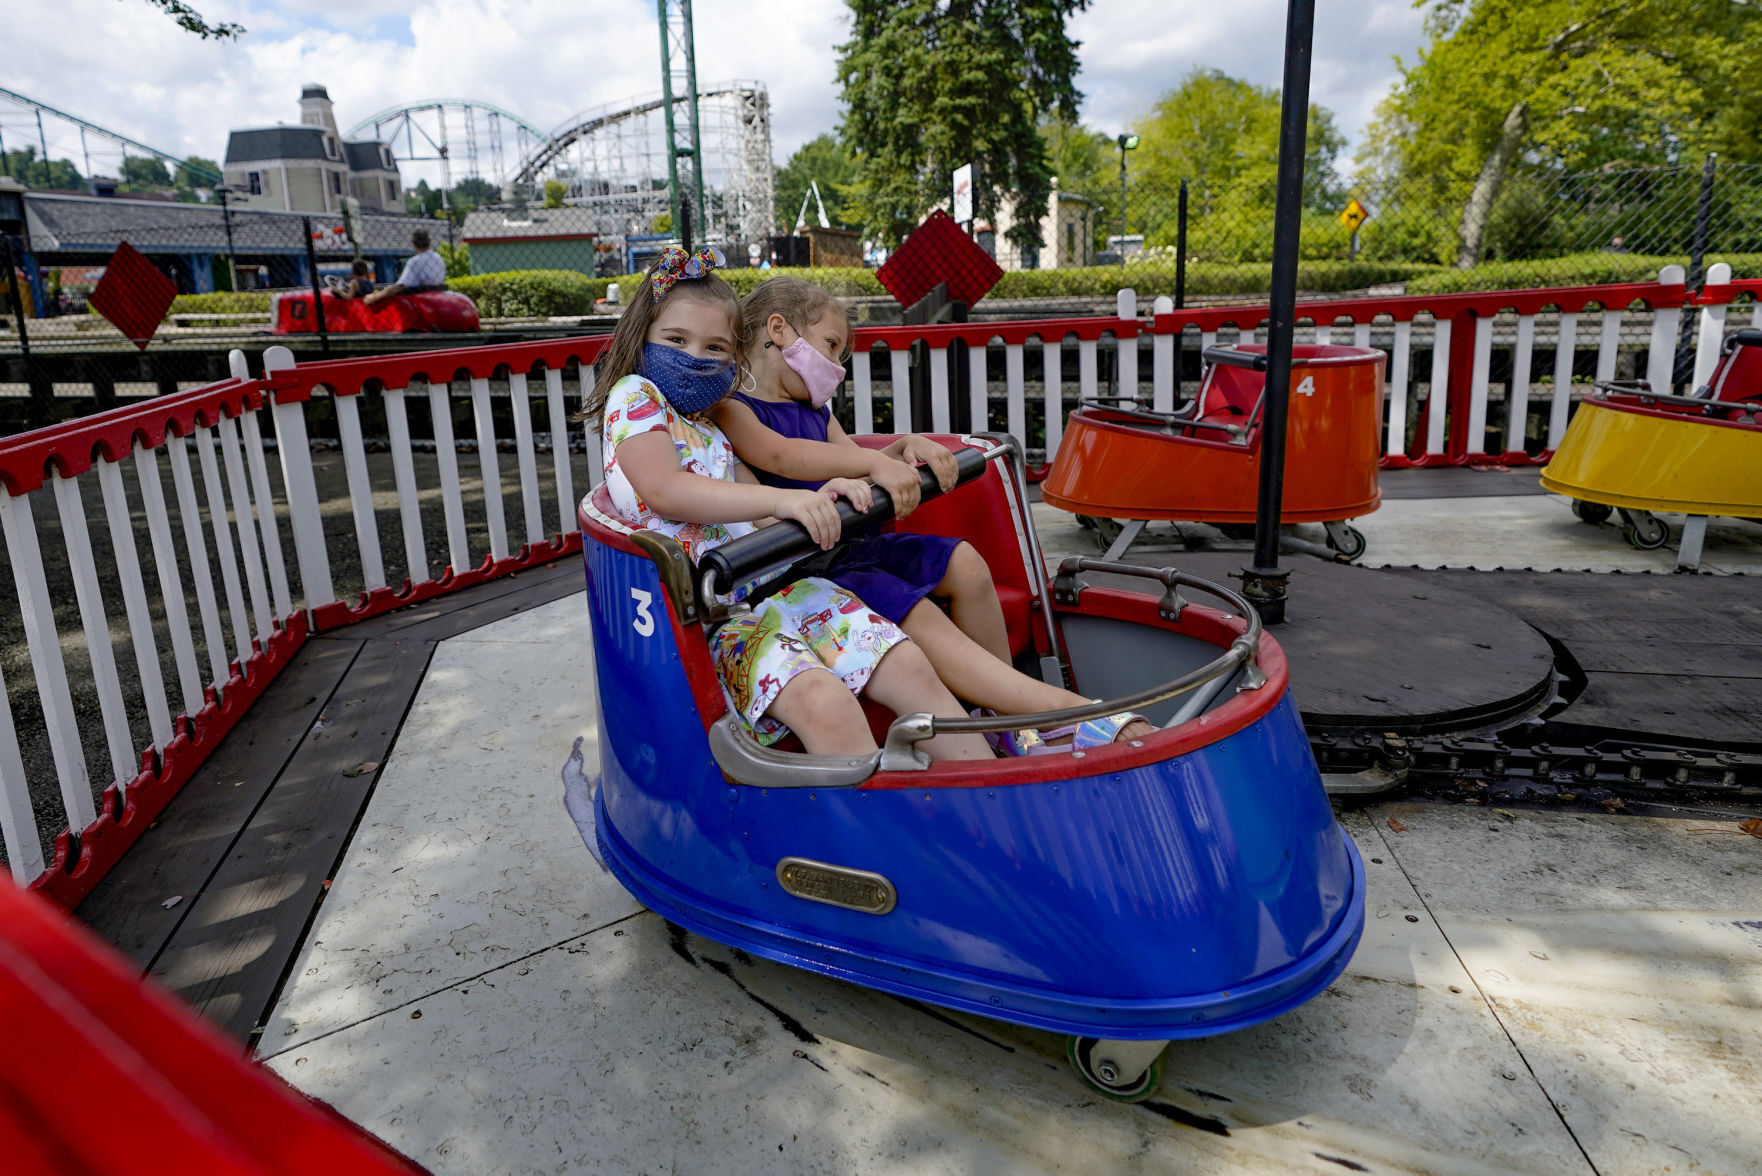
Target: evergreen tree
930	85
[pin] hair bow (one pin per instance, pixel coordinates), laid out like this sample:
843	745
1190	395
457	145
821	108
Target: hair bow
676	263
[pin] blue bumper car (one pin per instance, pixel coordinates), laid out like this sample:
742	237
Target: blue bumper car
1191	883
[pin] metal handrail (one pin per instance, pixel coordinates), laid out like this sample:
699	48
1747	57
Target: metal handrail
1244	651
1643	390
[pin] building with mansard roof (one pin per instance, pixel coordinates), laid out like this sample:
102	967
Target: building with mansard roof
310	167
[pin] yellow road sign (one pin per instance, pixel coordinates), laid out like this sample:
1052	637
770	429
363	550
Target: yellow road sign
1355	215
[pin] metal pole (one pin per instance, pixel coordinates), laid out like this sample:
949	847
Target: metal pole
1181	251
42	407
1122	204
1264	582
1685	347
232	264
44	144
317	288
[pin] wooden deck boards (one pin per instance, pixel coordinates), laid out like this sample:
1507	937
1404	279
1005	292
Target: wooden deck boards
248	844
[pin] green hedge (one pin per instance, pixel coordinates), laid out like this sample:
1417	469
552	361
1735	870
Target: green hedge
530	293
245	302
1203	278
844	281
1578	269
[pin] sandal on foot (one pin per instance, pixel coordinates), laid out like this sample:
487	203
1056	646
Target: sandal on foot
1103	731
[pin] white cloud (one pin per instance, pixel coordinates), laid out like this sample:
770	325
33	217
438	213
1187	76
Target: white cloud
125	66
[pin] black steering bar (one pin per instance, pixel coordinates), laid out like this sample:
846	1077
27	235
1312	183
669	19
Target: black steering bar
775	547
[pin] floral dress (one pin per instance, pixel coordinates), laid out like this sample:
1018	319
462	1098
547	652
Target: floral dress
811	624
635	406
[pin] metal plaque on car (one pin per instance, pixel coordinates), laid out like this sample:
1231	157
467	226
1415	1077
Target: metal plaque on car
857	890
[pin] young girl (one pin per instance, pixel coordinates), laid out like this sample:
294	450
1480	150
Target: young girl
800	658
795	339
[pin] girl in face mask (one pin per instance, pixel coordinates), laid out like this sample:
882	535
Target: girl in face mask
795	339
797	661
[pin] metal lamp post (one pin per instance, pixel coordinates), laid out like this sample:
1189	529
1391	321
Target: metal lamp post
1263	581
1126	143
232	265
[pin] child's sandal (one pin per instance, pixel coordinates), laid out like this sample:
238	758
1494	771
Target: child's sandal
1103	731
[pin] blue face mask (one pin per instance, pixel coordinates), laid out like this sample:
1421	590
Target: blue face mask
690	384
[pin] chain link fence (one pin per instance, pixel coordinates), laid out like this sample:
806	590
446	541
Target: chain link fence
107	300
203	277
1210	242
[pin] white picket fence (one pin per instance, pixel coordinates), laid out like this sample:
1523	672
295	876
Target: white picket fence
229	606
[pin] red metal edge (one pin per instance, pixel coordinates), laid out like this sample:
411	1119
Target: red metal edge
86	1031
347	377
1572	299
70	446
1727	292
102	844
940	335
1206	623
383	600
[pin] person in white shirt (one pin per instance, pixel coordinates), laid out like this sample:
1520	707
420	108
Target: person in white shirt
424	271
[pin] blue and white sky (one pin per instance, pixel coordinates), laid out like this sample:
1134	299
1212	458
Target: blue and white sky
124	65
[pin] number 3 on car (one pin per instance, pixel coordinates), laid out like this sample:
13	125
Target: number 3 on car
644	621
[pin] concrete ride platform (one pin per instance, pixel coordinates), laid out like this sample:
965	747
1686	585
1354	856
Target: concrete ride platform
1543	992
382	891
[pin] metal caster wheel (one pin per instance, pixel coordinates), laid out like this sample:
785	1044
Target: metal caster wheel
1347	541
1105	530
1593	513
1125	1071
1644	531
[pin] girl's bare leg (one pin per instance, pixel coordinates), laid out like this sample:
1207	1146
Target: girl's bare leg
824	714
972	601
962	665
905	682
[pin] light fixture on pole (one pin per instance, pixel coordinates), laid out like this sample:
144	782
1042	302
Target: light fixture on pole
1126	143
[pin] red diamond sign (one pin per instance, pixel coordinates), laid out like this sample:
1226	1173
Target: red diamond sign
938	251
133	295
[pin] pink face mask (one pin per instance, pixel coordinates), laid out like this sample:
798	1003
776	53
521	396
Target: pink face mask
821	375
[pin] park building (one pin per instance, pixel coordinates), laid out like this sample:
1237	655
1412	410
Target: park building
310	167
1067	233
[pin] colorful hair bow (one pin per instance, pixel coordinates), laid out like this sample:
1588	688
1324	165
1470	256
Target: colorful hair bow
676	263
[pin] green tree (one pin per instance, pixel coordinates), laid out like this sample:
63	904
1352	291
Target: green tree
195	172
457	259
822	158
191	21
1219	132
1082	159
55	175
555	190
1221	135
143	173
930	85
1508	86
465	196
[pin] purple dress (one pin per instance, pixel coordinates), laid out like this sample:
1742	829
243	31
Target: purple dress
890	573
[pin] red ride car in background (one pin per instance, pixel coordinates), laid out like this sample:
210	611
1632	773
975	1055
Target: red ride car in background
291	313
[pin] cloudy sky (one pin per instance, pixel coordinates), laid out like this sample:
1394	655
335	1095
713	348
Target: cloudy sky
123	65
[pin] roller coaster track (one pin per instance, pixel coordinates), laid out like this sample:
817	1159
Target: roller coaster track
402	108
590	121
195	169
